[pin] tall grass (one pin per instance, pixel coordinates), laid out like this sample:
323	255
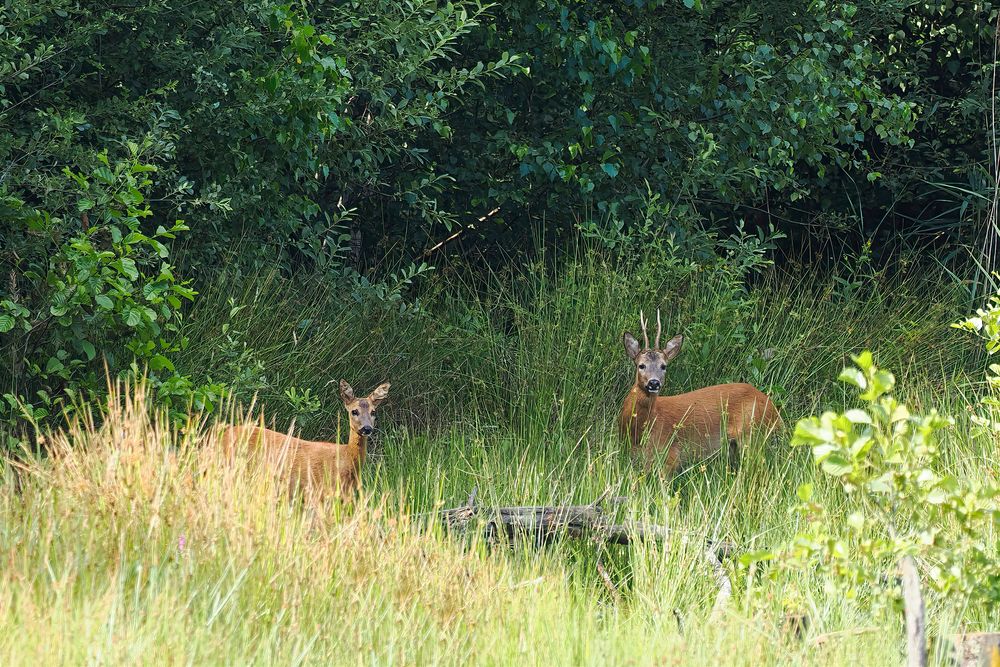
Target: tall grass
138	542
537	349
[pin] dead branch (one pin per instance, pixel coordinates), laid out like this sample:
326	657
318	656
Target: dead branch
608	583
543	523
820	640
722	580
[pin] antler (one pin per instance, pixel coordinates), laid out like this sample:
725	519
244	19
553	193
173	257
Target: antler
645	336
659	327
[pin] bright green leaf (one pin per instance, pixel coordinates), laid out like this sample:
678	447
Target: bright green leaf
160	362
855	377
836	465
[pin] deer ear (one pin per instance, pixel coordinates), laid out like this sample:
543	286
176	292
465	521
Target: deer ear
631	346
673	347
380	394
346	393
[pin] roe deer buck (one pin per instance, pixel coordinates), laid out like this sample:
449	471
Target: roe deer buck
320	464
689	426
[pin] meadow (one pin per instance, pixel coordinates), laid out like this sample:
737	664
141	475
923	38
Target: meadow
213	211
138	542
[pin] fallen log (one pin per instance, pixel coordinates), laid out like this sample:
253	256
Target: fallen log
543	523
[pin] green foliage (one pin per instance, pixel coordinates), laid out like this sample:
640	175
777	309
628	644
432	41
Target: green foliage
347	138
941	55
297	127
389	294
985	324
303	404
97	287
889	460
268	124
713	103
274	123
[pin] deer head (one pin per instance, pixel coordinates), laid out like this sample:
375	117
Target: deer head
361	411
650	362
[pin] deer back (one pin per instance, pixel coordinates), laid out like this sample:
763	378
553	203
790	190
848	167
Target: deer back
305	462
695	424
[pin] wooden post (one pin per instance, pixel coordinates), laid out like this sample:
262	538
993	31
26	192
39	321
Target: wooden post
977	649
913	602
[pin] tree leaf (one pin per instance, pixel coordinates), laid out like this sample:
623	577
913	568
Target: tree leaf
836	465
855	377
159	362
756	557
858	416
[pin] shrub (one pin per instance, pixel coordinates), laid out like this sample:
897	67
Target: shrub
888	459
96	287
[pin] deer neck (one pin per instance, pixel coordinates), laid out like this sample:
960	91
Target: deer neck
636	412
357	447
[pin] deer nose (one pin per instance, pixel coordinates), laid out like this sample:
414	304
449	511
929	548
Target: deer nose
653	385
366	430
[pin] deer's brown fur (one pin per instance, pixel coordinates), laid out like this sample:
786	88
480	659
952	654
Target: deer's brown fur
320	466
690	426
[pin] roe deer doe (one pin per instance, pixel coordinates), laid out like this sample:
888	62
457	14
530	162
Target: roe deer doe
320	465
689	426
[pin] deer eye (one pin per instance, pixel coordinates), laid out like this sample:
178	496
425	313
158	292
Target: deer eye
663	367
355	412
641	366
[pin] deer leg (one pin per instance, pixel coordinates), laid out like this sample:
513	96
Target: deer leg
737	432
734	455
673	461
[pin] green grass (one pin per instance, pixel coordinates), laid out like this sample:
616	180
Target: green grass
140	544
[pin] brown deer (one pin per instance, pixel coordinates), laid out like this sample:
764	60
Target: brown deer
320	465
690	426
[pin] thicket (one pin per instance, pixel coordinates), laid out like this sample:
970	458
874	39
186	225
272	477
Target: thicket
146	145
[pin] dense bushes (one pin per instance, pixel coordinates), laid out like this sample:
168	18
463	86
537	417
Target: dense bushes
293	125
716	103
104	286
266	120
